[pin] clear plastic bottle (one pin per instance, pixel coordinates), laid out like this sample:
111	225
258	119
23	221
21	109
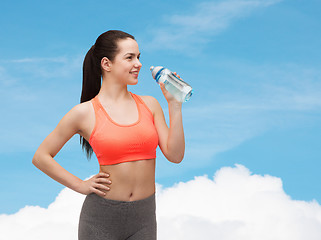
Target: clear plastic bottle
177	87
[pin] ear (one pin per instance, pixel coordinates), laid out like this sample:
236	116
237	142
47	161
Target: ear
105	64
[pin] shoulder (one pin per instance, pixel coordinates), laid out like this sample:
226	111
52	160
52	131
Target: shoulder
81	110
149	100
79	114
151	103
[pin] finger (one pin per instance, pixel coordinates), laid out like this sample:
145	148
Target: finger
162	86
101	186
98	192
176	75
103	180
102	174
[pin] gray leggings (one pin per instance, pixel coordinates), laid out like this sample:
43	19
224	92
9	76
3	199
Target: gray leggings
106	219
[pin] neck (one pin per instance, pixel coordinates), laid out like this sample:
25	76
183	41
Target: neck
112	90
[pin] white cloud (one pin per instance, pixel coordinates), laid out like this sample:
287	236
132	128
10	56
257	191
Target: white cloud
35	72
235	204
61	68
214	16
40	60
58	221
181	32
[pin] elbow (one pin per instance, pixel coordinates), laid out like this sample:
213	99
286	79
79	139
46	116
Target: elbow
176	158
36	160
177	161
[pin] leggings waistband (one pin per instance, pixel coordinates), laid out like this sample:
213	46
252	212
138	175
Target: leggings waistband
102	200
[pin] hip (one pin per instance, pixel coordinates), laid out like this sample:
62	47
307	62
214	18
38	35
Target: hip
102	218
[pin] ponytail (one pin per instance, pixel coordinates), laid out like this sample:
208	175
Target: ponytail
91	76
90	87
105	46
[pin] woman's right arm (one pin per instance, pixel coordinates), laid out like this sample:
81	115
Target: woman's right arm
43	159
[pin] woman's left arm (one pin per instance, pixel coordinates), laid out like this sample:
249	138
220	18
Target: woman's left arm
171	139
173	147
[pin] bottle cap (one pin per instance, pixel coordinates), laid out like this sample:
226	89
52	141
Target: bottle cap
155	70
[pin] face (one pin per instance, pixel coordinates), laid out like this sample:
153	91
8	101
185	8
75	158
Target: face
126	65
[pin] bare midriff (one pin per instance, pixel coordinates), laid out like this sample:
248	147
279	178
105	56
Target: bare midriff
130	181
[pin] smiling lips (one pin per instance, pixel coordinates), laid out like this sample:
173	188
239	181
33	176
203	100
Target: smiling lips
135	73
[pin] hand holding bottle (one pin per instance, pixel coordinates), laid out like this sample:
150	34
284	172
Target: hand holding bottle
169	97
173	84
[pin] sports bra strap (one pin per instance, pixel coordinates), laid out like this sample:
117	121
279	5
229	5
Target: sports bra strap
95	104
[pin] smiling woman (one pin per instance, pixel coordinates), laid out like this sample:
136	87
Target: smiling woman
123	130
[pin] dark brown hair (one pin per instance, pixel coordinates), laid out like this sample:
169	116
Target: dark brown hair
106	45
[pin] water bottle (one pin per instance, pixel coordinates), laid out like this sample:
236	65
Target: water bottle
177	87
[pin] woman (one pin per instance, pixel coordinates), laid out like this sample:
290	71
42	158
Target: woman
123	129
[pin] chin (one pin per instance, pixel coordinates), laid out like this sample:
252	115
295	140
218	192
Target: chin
133	83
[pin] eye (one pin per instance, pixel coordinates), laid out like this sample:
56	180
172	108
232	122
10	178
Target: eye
129	57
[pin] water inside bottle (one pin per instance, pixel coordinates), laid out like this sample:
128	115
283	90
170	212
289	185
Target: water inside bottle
174	91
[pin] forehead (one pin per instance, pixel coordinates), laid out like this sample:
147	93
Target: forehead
127	45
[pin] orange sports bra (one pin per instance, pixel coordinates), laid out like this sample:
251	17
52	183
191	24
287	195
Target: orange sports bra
115	143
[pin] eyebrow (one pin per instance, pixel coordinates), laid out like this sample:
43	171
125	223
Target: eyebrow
132	54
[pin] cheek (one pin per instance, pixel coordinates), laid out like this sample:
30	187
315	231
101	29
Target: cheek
122	70
122	73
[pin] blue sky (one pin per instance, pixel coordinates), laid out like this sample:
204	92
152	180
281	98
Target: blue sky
254	67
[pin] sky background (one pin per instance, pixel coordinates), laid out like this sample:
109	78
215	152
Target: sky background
255	68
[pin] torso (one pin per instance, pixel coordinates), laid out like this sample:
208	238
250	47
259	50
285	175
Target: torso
130	180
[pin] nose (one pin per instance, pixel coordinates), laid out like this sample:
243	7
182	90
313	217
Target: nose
138	64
